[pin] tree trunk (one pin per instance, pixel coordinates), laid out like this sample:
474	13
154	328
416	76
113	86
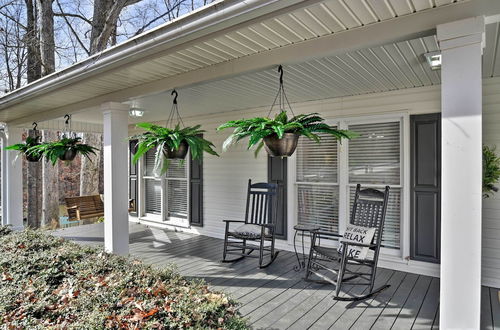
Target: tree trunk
89	173
46	32
50	196
34	186
32	44
106	13
101	10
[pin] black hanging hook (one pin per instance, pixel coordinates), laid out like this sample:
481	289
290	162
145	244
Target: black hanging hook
35	125
175	97
67	117
280	71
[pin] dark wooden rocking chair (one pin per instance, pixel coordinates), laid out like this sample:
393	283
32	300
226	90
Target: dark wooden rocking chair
257	226
332	267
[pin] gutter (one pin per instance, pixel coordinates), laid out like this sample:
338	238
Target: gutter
199	23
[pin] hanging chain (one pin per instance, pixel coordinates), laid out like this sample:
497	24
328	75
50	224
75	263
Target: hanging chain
67	126
174	113
281	97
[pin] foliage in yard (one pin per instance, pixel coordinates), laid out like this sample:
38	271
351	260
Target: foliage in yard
48	282
491	171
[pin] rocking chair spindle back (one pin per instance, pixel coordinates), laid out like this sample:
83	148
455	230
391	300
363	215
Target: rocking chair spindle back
257	226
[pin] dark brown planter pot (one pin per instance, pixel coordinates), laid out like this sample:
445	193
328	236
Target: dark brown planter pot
69	155
283	147
179	153
33	158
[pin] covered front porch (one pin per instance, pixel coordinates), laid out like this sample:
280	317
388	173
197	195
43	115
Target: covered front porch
278	298
362	69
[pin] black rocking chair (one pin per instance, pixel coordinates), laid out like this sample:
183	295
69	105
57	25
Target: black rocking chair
257	226
332	267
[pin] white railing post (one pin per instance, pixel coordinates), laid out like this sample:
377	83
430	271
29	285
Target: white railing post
461	44
12	180
116	233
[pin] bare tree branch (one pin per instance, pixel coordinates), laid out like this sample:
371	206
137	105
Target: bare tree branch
72	29
65	15
148	24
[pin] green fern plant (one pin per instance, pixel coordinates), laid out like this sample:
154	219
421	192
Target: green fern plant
256	129
53	151
491	171
163	138
26	148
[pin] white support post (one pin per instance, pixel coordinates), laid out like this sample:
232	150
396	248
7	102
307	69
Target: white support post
461	44
12	180
116	233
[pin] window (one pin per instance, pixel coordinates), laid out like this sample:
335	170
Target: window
152	186
373	159
317	185
165	197
177	190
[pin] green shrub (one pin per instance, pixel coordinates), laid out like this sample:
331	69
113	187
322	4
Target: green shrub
491	171
48	282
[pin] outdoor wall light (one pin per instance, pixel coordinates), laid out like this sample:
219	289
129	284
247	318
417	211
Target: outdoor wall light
136	112
434	60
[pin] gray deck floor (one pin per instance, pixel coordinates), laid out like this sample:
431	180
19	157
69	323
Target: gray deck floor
278	298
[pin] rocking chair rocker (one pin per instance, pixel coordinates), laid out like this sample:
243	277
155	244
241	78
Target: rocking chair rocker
257	226
368	212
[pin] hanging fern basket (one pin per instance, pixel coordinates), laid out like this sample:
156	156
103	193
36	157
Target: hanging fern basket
68	155
179	153
33	158
284	147
280	135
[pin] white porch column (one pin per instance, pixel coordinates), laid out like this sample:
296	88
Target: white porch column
12	180
461	45
115	178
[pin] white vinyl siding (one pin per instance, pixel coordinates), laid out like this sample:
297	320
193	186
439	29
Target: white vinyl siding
375	161
317	186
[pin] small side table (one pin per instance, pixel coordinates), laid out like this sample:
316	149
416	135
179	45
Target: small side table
303	230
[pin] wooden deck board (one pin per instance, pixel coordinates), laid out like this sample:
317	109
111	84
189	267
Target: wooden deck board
277	297
495	307
429	308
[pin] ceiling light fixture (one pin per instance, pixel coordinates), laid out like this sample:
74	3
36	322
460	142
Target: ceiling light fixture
136	112
434	60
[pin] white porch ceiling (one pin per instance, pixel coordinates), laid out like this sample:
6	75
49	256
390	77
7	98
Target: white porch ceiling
385	68
376	69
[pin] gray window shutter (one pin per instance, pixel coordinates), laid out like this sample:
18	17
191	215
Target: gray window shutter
277	173
425	187
196	192
132	193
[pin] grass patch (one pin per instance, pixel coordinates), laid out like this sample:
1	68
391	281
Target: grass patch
48	282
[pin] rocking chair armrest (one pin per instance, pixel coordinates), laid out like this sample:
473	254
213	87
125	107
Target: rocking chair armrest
325	233
268	225
240	221
358	244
